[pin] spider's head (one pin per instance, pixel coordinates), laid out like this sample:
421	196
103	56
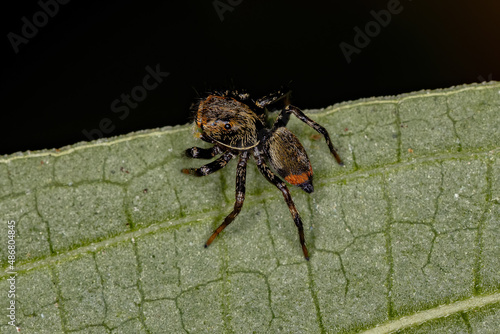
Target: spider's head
228	122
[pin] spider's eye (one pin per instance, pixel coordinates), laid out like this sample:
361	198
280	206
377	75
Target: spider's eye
227	126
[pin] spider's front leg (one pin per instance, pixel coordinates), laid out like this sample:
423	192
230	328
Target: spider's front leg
214	166
240	196
284	117
269	175
203	153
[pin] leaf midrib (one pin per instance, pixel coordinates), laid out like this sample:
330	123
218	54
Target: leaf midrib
435	313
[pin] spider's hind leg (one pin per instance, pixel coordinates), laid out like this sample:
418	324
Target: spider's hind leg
284	117
269	175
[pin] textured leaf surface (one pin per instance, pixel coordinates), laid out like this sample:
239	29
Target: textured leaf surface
404	238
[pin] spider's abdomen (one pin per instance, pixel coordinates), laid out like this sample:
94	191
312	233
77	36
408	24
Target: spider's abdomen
228	122
289	159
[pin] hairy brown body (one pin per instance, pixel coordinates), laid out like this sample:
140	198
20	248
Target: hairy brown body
235	125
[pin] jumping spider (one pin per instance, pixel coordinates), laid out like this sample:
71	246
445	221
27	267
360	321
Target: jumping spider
235	125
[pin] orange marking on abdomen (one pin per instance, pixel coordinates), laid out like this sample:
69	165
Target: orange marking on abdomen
298	178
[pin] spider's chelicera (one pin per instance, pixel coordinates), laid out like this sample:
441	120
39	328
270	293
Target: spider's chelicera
235	125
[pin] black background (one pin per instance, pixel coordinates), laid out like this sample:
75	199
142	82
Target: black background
63	80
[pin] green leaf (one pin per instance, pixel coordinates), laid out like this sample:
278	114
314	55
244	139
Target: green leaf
110	234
